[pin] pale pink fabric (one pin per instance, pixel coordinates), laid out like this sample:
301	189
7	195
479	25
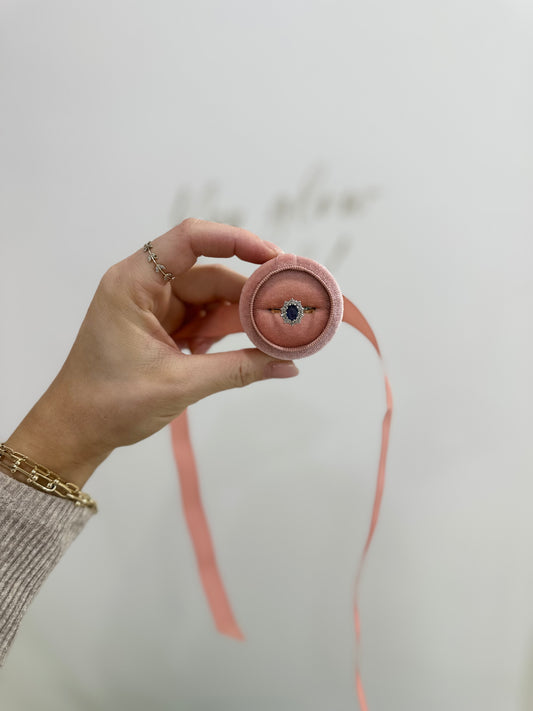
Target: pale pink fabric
222	321
199	530
272	294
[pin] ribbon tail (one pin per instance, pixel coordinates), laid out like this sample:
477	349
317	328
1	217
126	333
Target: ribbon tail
380	483
360	691
220	322
199	530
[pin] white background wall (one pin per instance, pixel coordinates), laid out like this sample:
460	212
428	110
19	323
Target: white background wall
390	141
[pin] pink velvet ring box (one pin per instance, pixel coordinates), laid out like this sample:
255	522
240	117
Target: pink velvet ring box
290	307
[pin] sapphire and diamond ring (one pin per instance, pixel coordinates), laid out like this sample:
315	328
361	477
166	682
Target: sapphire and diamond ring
292	311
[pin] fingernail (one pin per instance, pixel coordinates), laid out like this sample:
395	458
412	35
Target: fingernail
284	369
274	247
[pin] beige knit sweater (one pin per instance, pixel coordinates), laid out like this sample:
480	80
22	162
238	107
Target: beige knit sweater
35	530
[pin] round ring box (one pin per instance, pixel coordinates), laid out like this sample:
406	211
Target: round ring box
290	307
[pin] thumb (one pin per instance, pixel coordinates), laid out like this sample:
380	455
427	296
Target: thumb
213	372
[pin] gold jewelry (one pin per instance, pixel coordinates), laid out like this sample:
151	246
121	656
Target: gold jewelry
42	478
167	276
292	311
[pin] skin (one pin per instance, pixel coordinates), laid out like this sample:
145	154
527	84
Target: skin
126	377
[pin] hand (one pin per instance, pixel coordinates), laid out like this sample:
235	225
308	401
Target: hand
126	376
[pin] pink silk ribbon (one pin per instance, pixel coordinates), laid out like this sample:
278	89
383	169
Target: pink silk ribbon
223	320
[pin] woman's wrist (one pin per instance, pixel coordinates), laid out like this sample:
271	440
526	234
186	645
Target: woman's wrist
52	438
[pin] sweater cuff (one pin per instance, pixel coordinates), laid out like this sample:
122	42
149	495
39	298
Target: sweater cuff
35	530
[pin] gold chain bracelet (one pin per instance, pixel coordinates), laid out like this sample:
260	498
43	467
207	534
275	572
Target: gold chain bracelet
42	478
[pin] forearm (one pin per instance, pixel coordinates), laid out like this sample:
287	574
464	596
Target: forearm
37	527
55	433
35	530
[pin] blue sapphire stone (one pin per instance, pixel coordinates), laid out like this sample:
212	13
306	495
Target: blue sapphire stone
292	312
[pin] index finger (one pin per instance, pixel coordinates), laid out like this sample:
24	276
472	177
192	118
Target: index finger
179	248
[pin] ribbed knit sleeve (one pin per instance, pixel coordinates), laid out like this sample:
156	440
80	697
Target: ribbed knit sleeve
35	530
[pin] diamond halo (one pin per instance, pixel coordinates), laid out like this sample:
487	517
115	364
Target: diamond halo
292	312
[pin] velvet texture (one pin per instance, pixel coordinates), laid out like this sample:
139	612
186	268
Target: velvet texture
281	279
